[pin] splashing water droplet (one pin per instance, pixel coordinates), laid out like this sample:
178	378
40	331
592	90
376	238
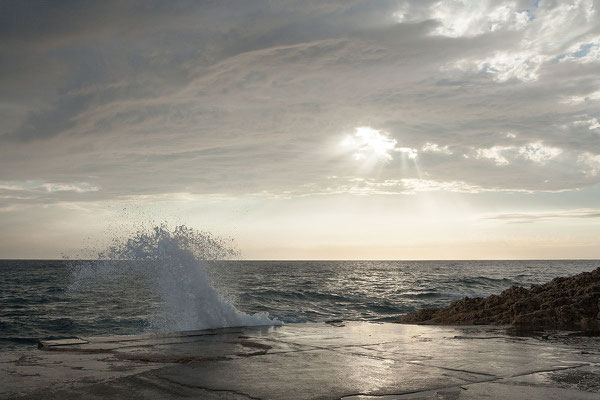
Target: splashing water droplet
173	261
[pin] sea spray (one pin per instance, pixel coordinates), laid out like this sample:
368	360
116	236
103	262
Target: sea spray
173	262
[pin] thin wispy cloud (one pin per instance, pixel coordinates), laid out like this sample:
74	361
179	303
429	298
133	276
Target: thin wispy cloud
535	217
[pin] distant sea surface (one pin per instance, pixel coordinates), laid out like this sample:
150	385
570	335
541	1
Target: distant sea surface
38	298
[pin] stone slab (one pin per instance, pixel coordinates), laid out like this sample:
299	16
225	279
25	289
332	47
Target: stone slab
350	360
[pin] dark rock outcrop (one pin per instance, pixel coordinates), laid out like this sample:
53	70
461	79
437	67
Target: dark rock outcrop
563	303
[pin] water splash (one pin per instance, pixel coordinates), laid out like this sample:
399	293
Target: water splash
173	262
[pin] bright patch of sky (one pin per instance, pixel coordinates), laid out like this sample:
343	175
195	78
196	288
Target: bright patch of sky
543	39
588	52
468	18
371	145
368	143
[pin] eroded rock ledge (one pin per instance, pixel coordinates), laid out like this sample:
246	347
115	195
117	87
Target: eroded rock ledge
563	303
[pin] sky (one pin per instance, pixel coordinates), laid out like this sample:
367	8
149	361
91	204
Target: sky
351	129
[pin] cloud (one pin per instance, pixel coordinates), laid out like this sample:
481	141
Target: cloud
587	51
544	216
405	186
535	152
212	99
495	154
593	96
429	185
33	186
62	187
504	66
546	32
539	153
467	19
369	143
591	124
435	148
372	145
409	151
17	196
591	163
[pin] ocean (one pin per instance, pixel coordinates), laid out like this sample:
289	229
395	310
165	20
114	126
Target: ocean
65	298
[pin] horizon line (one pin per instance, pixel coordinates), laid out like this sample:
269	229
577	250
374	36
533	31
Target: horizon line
327	259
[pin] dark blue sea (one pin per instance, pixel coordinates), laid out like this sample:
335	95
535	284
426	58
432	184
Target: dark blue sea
53	299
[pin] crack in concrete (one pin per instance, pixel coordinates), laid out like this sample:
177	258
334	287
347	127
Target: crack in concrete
495	379
457	370
48	345
547	370
376	357
189	386
371	356
433	391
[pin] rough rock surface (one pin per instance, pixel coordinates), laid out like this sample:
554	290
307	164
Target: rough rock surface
351	361
563	303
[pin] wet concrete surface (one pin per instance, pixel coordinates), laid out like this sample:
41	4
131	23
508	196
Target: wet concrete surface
352	360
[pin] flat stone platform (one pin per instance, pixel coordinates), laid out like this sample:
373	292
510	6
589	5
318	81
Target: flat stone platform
339	360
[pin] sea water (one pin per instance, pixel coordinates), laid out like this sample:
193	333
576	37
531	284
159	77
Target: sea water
167	280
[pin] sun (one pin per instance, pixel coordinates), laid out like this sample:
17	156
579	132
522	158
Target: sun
370	144
373	145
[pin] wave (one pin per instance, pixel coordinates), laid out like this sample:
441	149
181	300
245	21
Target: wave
10	341
173	262
485	280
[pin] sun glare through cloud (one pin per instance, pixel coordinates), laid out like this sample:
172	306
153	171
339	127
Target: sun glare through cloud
372	145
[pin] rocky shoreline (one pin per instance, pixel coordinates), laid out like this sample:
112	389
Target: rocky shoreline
570	303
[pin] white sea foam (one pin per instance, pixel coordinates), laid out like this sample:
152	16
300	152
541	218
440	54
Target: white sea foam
173	262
